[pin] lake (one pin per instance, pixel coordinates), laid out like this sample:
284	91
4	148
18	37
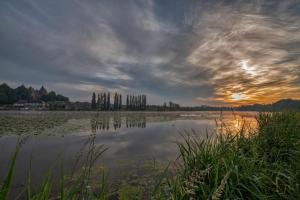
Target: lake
136	142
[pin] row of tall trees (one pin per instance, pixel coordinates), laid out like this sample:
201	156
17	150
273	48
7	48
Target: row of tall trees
138	102
102	102
117	101
133	102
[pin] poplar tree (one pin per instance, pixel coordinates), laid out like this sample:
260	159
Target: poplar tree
98	102
115	101
120	102
127	102
104	101
94	106
135	102
101	101
108	101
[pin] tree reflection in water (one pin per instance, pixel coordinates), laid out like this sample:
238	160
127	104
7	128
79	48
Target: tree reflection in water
106	122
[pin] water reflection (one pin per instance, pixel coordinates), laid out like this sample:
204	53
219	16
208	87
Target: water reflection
139	137
107	122
138	121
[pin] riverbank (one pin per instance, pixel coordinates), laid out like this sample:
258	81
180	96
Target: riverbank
262	165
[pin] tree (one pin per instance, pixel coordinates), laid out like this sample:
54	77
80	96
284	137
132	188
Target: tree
144	102
120	102
60	97
101	101
51	96
130	101
127	102
22	93
98	102
139	102
135	102
3	97
104	101
116	101
108	101
94	106
7	94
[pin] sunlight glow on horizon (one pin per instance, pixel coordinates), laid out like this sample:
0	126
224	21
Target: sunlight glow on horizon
238	96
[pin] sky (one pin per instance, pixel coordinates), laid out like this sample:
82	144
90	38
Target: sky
192	52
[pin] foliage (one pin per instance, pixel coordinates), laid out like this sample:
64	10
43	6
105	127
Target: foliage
94	105
261	165
5	186
128	192
21	93
7	94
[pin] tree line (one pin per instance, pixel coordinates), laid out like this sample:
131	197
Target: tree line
103	102
138	102
9	95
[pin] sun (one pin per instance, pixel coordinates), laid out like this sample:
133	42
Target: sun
238	96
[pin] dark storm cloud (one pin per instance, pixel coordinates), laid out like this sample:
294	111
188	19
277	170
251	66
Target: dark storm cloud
192	51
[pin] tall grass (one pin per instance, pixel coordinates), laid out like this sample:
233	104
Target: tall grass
75	186
262	164
5	186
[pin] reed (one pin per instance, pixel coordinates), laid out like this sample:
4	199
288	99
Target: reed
260	164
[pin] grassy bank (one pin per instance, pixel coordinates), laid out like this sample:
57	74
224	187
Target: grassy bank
262	164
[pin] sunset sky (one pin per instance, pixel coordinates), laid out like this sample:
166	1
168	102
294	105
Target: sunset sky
193	52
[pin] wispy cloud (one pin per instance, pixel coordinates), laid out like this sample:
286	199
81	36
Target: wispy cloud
196	52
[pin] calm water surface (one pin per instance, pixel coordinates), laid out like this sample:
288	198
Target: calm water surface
135	140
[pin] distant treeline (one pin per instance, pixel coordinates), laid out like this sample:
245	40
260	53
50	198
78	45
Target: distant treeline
103	102
21	93
281	105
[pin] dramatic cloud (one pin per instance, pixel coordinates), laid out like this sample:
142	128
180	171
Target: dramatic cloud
192	52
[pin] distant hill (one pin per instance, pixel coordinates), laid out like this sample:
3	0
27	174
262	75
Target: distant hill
281	105
22	93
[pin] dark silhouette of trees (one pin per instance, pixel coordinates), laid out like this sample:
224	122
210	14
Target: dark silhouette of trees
101	101
98	102
104	101
120	102
136	102
133	102
173	106
21	93
108	101
94	106
144	102
127	102
117	102
60	97
7	94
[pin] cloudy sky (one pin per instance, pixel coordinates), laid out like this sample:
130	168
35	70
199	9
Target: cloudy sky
193	52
